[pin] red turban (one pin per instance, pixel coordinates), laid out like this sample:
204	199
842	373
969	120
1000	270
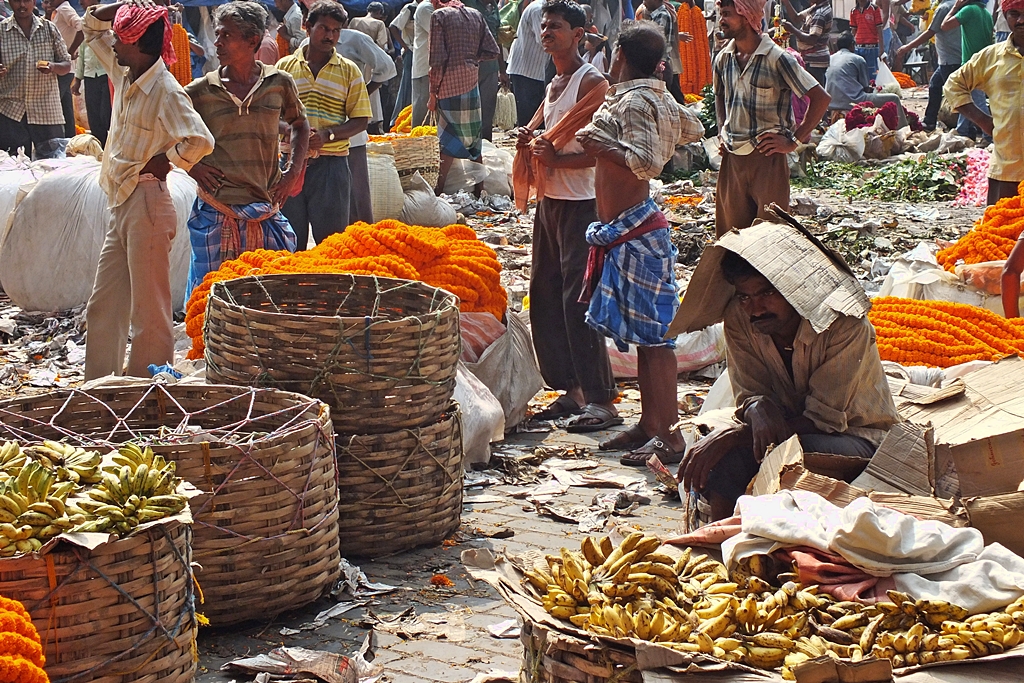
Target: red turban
131	21
752	11
1009	5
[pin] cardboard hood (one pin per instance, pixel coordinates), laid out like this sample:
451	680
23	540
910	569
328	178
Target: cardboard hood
813	278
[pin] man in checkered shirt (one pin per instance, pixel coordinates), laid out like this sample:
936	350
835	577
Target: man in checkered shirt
755	81
32	56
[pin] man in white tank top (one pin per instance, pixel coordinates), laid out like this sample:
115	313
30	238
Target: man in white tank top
572	355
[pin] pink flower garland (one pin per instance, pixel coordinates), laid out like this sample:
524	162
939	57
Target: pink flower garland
974	191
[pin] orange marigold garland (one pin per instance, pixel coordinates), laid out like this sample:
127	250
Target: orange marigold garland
21	650
992	237
181	69
940	333
451	258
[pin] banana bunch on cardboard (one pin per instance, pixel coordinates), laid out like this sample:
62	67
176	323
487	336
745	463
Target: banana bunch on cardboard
139	487
69	463
691	603
32	509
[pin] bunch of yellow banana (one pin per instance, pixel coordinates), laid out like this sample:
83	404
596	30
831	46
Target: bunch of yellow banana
11	458
139	488
71	463
32	510
1016	610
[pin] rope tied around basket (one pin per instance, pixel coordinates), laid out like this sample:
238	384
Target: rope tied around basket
186	614
390	483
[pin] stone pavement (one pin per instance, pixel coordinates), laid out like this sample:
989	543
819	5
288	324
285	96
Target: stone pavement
466	608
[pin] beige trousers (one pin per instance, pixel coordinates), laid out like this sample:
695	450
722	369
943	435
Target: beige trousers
133	285
746	186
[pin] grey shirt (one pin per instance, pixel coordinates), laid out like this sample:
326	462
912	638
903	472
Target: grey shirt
947	43
846	80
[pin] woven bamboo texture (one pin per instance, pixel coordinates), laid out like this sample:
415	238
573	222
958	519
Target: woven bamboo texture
553	657
120	613
266	528
400	490
381	352
417	154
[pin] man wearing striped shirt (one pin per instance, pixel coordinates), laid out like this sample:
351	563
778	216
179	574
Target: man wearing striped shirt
332	89
153	125
241	186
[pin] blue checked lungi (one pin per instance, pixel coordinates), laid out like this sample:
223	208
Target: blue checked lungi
206	226
459	123
635	300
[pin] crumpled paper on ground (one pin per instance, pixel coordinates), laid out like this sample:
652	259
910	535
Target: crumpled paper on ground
354	585
327	666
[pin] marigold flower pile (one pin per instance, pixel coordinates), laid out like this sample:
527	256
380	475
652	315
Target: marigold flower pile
992	238
21	651
417	132
451	258
940	333
696	54
403	124
904	80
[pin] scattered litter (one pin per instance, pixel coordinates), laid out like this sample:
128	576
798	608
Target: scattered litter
449	625
353	584
505	629
322	618
325	666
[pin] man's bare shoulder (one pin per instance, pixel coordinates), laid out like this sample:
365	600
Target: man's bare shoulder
592	79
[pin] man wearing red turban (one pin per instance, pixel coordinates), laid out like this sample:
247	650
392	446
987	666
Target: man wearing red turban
998	71
153	125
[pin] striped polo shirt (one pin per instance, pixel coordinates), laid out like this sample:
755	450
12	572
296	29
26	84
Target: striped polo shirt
336	95
246	131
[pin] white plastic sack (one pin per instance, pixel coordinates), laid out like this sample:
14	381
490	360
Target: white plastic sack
464	176
422	207
499	169
483	420
694	351
509	369
49	251
505	110
839	145
386	195
720	395
885	81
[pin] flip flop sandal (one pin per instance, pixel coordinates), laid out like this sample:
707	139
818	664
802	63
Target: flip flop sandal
563	406
593	411
655	446
626	440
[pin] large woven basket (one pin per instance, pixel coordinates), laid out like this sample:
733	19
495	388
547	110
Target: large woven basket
400	490
266	533
381	352
554	657
120	613
417	154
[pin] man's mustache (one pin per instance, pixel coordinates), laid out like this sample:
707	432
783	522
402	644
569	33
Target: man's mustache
760	318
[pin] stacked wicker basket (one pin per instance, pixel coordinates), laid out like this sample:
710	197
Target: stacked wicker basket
383	354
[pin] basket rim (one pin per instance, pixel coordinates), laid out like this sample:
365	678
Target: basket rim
448	301
301	403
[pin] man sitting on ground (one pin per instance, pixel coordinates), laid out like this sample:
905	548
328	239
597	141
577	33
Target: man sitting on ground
847	83
828	387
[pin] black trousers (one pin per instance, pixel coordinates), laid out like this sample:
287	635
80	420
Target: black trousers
67	103
97	106
324	201
15	134
529	96
935	85
570	352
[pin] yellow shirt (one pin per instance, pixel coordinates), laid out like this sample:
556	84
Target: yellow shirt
999	71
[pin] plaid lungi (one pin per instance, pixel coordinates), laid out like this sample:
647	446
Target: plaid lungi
206	231
459	124
636	300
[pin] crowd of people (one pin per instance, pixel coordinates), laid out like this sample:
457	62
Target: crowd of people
275	139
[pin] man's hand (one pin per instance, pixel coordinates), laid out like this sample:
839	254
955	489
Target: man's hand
685	37
902	51
287	187
209	178
3	70
316	140
432	102
788	25
523	136
158	167
44	68
767	426
503	80
76	87
544	152
699	460
775	143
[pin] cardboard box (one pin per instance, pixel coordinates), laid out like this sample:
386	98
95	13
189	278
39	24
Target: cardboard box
981	432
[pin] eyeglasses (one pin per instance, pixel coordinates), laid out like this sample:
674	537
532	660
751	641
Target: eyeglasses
763	294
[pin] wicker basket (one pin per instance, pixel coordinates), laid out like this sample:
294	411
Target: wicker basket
267	537
417	154
554	657
400	490
381	352
122	612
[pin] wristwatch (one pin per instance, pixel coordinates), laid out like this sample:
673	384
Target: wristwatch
331	136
